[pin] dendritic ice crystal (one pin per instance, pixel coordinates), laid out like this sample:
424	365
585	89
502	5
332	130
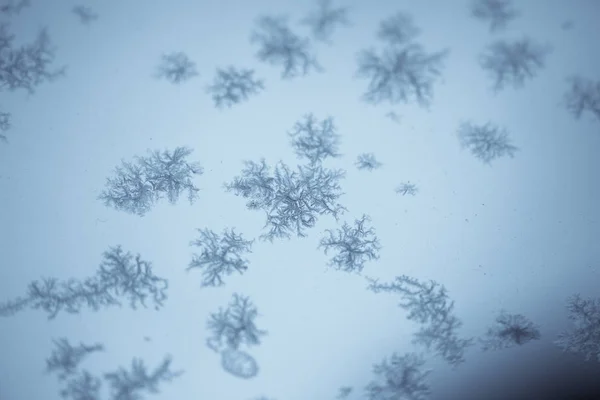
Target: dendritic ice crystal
281	47
402	70
582	97
234	325
487	142
138	186
352	246
498	13
292	200
129	385
26	66
323	21
83	386
367	161
428	304
512	64
232	86
399	29
407	188
85	14
510	330
121	275
176	67
399	377
584	337
80	384
314	139
220	255
65	358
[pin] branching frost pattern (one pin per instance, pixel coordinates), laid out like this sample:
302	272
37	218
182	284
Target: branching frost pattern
292	200
584	337
314	139
513	63
486	142
121	275
399	377
83	386
130	385
399	29
138	185
26	66
407	188
510	330
234	325
367	161
86	14
220	255
583	97
279	46
176	67
498	13
232	86
428	304
65	358
353	245
323	22
80	384
402	70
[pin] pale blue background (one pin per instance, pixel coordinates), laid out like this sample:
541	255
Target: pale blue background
521	235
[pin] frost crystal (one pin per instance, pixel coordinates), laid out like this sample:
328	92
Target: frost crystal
26	66
513	63
583	97
497	12
510	330
486	142
323	22
220	255
86	14
121	275
397	75
400	377
367	161
292	200
126	385
138	186
232	86
281	47
84	386
315	140
428	304
584	338
399	29
353	245
176	67
234	326
402	70
66	358
407	188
